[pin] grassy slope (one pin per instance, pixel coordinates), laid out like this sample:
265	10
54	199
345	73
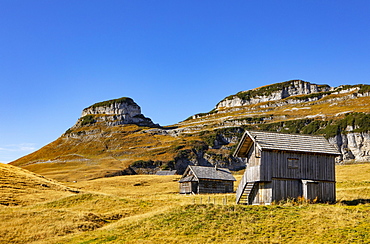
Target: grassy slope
22	187
109	150
147	209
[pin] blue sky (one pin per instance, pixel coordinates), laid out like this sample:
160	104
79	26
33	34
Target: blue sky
175	58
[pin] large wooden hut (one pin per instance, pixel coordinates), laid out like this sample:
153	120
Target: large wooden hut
201	179
282	166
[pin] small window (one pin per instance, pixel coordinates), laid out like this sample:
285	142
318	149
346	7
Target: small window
293	163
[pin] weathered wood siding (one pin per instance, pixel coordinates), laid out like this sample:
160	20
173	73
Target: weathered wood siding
185	187
277	190
278	176
284	189
188	187
261	193
253	168
215	186
278	164
319	190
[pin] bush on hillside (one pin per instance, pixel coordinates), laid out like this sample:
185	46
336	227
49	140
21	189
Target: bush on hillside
87	120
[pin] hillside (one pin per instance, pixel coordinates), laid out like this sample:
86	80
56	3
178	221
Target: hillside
21	187
148	209
113	137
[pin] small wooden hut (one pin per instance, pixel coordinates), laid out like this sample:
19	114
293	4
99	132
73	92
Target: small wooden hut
281	166
201	179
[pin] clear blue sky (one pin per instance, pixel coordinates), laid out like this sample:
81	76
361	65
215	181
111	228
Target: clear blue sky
175	58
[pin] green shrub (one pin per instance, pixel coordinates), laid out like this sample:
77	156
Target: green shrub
263	91
313	127
330	131
87	119
364	89
209	138
360	122
113	101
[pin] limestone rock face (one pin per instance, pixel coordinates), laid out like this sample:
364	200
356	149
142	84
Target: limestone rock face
353	146
271	93
115	112
125	107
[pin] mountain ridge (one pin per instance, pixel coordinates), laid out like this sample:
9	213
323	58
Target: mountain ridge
114	138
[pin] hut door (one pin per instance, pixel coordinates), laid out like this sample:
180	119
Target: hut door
310	189
194	187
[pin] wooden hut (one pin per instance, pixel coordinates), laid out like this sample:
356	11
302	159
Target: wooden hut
281	166
201	179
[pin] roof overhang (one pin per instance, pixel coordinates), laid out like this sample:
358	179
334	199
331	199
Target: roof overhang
245	144
271	141
185	178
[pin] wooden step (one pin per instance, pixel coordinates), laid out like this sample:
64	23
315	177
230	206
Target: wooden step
244	197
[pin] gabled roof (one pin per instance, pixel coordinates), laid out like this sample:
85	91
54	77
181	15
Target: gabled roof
210	173
188	178
284	142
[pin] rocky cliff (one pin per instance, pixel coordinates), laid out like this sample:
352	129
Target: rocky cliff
114	112
270	93
353	146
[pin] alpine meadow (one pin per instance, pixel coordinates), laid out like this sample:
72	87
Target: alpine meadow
97	182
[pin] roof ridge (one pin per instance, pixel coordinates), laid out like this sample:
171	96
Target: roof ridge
290	134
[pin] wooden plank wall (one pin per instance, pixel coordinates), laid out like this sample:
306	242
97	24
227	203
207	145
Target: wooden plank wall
185	187
324	191
253	167
188	187
277	190
262	193
215	186
274	164
284	189
277	180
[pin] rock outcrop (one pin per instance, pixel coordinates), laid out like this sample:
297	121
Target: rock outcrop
270	93
114	112
353	146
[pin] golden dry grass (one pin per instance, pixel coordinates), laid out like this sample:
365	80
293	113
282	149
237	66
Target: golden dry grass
22	187
353	182
109	150
148	209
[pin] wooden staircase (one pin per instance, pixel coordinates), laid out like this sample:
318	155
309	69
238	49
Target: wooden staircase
244	190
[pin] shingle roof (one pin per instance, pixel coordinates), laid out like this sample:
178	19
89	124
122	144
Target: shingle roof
203	172
285	142
188	178
166	172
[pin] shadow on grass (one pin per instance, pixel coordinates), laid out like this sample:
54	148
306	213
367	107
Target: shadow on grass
355	202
